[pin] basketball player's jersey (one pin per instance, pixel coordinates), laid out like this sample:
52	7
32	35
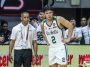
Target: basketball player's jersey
53	33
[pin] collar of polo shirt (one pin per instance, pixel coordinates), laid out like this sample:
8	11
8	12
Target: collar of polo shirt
24	25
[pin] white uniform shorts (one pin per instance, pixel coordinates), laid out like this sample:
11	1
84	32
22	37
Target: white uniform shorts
57	55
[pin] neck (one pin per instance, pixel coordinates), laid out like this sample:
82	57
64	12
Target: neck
83	25
25	24
49	20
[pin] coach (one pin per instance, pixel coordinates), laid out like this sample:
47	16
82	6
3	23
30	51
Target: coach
22	37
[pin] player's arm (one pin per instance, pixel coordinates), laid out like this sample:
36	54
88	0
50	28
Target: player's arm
62	21
43	33
35	46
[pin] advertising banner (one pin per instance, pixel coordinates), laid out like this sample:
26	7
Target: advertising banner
78	56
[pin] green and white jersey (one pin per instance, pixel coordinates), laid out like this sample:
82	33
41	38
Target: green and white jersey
53	33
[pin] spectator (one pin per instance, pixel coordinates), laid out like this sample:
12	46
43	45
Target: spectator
40	19
40	39
86	32
83	24
34	22
37	25
4	32
76	36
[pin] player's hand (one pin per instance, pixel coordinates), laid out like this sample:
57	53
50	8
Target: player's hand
67	40
10	58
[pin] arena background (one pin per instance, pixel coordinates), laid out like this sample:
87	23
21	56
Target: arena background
68	13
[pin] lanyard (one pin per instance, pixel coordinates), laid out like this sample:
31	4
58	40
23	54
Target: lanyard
26	35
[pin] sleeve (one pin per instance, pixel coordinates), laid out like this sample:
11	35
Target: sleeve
13	34
35	34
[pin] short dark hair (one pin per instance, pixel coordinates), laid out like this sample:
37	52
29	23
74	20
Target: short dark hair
47	8
25	12
3	22
40	12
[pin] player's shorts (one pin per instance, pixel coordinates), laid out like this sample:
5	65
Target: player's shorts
58	55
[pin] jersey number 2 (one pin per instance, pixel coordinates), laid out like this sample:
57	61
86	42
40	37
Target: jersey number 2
53	39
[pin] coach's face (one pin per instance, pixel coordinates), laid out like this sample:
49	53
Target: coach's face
25	18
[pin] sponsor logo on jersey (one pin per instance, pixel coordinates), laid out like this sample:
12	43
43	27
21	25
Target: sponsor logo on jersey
53	24
55	27
51	32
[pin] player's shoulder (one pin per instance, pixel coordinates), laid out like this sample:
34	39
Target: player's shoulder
44	20
59	17
42	23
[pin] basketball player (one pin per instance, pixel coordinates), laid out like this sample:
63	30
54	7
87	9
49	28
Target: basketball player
52	32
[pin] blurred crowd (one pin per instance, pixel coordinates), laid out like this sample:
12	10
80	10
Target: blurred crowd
4	32
81	34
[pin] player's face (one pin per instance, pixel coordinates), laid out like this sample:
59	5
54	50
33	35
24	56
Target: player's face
25	18
49	15
41	15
